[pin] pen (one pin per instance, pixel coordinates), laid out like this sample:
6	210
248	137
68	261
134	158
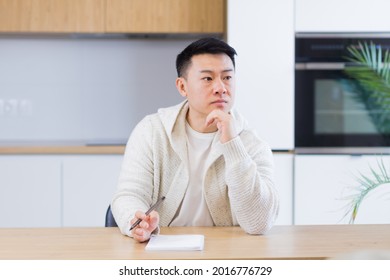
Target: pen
148	212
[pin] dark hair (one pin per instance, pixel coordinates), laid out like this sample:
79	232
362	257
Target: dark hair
202	46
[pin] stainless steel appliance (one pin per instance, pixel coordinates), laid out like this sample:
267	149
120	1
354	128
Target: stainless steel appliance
334	111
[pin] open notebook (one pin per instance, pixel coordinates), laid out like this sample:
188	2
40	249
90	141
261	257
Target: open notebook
190	242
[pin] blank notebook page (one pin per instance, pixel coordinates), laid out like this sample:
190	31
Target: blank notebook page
191	242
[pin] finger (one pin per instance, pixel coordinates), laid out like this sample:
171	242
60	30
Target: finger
144	224
154	215
211	118
215	115
140	215
154	220
140	234
150	223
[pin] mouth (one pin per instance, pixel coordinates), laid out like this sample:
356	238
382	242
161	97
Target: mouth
220	101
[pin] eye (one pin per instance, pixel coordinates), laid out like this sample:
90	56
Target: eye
228	78
208	79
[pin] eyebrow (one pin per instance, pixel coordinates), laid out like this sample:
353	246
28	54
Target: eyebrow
210	71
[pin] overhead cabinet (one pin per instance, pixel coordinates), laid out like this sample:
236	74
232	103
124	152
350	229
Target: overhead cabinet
52	16
112	16
167	16
342	16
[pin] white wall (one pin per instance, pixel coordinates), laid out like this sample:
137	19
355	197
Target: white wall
262	32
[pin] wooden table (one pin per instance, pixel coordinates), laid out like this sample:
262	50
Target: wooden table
281	242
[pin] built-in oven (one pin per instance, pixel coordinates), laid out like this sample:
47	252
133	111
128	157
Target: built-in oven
335	108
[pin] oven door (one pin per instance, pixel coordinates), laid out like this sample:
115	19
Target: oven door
331	110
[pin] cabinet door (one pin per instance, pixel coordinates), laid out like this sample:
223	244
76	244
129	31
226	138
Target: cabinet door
89	185
323	182
165	16
284	184
342	16
30	191
263	35
52	16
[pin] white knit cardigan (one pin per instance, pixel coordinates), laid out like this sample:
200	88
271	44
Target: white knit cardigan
238	180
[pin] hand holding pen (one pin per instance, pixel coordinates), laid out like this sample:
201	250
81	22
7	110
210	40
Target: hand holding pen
145	223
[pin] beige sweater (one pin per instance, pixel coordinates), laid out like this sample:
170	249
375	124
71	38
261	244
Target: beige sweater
238	180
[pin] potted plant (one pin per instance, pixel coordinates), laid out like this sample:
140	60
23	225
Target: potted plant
371	71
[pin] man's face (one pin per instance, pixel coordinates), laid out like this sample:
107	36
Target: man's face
208	84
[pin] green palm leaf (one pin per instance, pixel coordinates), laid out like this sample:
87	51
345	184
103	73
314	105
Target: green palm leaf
373	82
366	185
371	71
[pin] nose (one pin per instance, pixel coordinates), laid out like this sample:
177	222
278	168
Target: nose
219	87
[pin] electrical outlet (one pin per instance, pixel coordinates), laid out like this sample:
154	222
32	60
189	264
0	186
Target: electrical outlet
11	107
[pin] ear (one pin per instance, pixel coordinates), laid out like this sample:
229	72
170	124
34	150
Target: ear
181	86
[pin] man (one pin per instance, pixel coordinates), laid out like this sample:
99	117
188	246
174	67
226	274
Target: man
199	154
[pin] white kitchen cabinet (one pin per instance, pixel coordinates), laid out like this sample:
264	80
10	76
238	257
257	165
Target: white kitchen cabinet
30	191
284	185
342	16
89	185
54	191
322	182
262	33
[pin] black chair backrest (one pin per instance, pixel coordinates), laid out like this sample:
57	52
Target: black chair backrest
110	221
